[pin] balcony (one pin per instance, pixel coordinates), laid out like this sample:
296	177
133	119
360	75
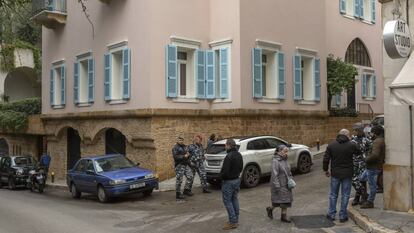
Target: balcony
49	13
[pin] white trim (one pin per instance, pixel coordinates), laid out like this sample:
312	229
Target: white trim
369	98
82	105
84	56
113	102
269	101
182	99
349	16
268	45
367	22
221	101
306	51
60	106
217	43
117	45
185	42
307	102
58	63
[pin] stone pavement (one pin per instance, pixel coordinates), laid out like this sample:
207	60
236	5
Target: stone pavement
378	220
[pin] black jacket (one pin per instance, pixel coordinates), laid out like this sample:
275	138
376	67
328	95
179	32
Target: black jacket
232	165
339	155
179	152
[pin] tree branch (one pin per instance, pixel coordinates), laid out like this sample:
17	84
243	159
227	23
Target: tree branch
84	9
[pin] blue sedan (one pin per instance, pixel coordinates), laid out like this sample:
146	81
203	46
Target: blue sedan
109	176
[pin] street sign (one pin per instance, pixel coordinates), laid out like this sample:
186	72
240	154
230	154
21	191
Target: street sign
397	39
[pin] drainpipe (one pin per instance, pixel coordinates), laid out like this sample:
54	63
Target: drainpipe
411	156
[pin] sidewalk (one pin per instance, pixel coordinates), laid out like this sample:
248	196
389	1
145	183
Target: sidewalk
378	220
169	185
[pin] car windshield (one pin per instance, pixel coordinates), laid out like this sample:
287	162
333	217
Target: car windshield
23	161
112	164
218	149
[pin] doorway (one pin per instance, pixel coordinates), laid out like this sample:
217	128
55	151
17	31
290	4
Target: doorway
351	98
115	142
73	148
4	147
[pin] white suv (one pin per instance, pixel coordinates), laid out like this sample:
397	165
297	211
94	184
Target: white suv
257	153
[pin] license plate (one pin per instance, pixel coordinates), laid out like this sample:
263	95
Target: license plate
136	186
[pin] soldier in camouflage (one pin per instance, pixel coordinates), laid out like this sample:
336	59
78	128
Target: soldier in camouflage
364	145
182	168
196	152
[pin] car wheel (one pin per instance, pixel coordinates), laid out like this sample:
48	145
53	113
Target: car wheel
74	191
304	163
148	192
41	188
251	176
102	196
12	184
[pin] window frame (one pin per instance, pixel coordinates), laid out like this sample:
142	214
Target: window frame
313	56
217	47
57	84
86	101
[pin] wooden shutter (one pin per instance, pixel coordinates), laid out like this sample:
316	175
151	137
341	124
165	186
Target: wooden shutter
76	82
201	73
317	78
91	80
224	73
281	75
297	66
257	72
107	76
126	79
171	71
210	74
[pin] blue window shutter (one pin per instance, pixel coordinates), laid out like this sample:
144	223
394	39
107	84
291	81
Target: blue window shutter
338	99
126	80
210	75
342	6
297	66
76	82
356	8
361	9
257	73
373	11
317	78
107	76
224	73
201	73
52	87
281	74
91	79
364	85
63	85
374	86
171	71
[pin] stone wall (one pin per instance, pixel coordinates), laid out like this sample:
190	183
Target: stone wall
21	144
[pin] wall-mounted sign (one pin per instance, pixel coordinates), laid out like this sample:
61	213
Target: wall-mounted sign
397	39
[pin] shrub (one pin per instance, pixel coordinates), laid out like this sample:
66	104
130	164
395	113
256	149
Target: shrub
14	115
343	112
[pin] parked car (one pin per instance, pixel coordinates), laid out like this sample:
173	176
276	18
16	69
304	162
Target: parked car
257	153
14	170
109	176
378	120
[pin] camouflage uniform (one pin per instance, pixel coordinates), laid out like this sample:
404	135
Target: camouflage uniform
364	145
196	152
182	168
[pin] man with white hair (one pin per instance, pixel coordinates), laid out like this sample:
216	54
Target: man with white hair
338	157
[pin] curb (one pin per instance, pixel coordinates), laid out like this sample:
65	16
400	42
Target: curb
57	186
365	223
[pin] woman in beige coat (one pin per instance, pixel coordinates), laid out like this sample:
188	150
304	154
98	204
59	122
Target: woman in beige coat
281	194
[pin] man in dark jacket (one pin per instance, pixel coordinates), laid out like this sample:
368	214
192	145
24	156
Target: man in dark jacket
339	156
182	168
374	161
230	174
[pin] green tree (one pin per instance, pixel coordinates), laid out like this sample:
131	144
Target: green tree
341	76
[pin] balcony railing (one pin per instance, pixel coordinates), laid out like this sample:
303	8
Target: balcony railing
49	13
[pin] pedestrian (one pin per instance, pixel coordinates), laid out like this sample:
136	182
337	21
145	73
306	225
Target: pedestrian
367	130
338	157
281	194
364	145
375	161
182	168
230	175
196	152
44	162
211	140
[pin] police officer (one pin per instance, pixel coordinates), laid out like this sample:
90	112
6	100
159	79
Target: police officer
196	152
182	168
364	145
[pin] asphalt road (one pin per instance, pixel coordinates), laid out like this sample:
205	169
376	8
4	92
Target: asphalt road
56	212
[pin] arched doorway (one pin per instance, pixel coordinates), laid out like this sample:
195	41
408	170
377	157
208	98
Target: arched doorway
356	54
4	147
21	83
115	142
73	147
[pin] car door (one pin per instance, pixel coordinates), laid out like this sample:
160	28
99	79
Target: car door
260	154
77	175
5	169
89	177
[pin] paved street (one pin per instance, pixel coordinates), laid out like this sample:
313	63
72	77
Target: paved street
55	211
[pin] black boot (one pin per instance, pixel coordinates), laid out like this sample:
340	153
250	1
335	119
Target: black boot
367	205
188	192
356	200
179	196
283	218
269	211
205	190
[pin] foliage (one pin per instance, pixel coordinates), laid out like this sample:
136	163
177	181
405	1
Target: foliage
343	112
14	115
7	56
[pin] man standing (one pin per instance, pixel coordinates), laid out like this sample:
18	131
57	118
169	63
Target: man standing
196	152
339	156
182	168
230	175
374	161
44	162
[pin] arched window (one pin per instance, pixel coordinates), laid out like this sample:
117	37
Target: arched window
357	54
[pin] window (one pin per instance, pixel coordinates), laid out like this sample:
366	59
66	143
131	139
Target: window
307	83
369	85
259	144
84	80
185	70
268	74
357	54
360	9
89	166
57	85
81	166
117	71
273	143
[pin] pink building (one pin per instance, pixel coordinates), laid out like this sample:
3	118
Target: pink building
152	70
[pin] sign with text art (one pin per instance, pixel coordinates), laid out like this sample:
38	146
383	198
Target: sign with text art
397	39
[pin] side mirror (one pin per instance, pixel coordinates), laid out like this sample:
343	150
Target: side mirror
138	164
289	145
89	172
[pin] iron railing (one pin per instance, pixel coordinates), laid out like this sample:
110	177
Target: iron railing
48	5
